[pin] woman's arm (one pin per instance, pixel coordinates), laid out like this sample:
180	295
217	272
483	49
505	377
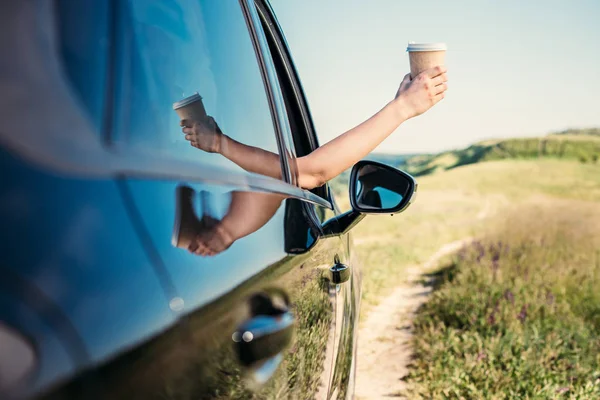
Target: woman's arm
413	98
333	158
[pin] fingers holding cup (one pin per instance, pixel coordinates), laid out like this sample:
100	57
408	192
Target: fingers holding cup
440	79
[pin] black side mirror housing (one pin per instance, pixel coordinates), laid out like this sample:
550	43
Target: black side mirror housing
375	188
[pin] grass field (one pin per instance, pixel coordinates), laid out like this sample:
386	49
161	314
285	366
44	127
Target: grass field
517	314
521	320
460	203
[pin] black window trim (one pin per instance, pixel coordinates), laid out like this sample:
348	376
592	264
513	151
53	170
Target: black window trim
284	56
279	114
275	30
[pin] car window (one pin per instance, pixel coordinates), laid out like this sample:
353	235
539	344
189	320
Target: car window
302	140
171	50
83	32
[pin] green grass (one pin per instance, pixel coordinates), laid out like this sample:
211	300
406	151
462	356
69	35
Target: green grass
517	314
460	203
524	327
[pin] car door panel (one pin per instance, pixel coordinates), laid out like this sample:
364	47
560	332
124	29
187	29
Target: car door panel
198	280
347	315
70	246
196	357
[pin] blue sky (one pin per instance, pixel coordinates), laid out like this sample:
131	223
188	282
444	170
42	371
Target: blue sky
516	68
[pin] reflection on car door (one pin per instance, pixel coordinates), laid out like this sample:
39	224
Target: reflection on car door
274	269
217	295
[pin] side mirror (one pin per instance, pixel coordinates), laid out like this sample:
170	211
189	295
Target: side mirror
376	188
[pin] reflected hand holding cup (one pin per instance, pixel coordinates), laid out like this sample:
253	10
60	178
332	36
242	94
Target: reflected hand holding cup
212	239
204	135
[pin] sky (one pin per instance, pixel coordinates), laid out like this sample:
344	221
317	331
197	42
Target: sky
515	68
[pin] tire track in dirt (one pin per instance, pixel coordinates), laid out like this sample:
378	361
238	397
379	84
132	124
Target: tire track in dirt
384	341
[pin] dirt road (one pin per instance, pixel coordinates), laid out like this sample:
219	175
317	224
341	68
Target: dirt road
384	349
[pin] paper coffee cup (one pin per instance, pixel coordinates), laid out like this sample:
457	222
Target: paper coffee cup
190	108
424	56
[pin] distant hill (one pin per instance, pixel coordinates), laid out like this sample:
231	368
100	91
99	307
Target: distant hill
588	131
394	160
572	144
582	145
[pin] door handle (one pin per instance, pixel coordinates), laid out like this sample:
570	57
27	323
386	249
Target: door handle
339	273
263	337
261	340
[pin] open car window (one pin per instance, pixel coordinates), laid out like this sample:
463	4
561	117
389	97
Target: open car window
303	139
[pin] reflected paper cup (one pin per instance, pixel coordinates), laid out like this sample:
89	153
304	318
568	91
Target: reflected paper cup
190	108
424	56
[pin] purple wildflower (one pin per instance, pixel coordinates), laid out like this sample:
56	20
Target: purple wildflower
509	296
549	298
481	253
491	319
462	254
494	270
523	314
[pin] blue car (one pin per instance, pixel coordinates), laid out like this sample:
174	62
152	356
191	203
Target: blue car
136	266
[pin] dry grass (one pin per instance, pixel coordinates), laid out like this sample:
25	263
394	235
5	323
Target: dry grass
489	332
461	203
517	314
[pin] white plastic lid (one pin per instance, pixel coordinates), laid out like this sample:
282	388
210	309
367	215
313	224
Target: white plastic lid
186	101
412	46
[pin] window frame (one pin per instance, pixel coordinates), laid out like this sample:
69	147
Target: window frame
290	69
276	103
296	94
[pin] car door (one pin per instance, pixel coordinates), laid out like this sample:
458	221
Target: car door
300	141
272	270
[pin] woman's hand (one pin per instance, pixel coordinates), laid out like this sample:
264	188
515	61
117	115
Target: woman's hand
415	96
212	239
204	135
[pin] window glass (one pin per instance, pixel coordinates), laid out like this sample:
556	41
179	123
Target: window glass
83	31
174	49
